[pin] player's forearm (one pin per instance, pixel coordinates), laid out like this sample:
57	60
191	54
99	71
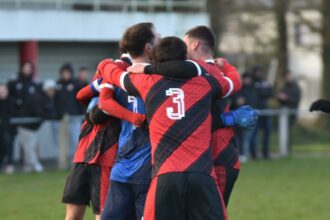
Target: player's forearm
174	68
108	104
113	108
85	95
231	73
111	73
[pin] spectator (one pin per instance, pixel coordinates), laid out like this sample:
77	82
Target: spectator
246	96
23	86
49	107
6	130
83	79
66	103
49	92
25	93
83	76
264	92
289	97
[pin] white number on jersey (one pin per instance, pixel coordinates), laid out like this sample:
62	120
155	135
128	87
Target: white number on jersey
133	100
177	99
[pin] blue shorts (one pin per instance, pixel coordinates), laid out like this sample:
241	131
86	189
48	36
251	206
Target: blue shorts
125	201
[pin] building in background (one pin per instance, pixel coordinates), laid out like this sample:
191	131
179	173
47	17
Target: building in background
82	32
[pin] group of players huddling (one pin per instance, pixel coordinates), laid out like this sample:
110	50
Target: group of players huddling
157	141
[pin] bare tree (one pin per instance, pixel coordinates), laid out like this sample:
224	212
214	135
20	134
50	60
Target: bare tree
280	8
216	11
326	48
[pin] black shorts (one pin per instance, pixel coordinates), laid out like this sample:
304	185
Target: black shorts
226	178
183	196
87	184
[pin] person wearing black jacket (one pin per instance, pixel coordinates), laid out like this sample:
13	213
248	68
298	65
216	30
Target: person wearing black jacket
66	104
26	95
48	99
6	130
264	92
246	96
50	112
289	97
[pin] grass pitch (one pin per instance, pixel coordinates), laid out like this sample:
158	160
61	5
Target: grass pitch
288	189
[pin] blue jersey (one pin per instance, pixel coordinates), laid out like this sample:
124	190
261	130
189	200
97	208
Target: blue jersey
133	161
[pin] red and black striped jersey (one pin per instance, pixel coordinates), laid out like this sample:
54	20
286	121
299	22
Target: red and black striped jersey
178	112
223	141
98	143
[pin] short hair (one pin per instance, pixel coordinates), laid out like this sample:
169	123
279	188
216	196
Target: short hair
67	67
83	69
136	37
170	48
203	33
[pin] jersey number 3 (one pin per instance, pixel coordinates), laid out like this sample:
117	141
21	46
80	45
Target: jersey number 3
177	99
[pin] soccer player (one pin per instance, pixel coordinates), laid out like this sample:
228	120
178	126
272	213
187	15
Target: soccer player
200	42
88	181
178	112
131	174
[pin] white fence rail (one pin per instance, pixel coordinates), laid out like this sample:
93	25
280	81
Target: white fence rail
131	5
281	114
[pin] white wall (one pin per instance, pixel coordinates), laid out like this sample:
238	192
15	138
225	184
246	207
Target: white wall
53	25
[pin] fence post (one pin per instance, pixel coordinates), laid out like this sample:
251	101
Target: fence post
63	143
283	131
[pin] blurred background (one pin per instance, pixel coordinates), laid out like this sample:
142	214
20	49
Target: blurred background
49	49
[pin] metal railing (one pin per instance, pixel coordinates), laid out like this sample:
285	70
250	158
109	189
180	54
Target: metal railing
110	5
282	114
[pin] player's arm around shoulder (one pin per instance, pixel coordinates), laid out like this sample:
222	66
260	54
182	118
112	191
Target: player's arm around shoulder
140	84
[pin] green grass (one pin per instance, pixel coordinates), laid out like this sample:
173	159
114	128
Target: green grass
288	189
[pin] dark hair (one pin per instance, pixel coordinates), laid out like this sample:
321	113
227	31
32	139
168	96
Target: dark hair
246	75
204	34
67	67
31	64
170	48
83	69
136	37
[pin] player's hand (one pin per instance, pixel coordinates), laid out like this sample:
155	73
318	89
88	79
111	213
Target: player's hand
320	105
126	58
220	62
137	68
139	119
245	117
